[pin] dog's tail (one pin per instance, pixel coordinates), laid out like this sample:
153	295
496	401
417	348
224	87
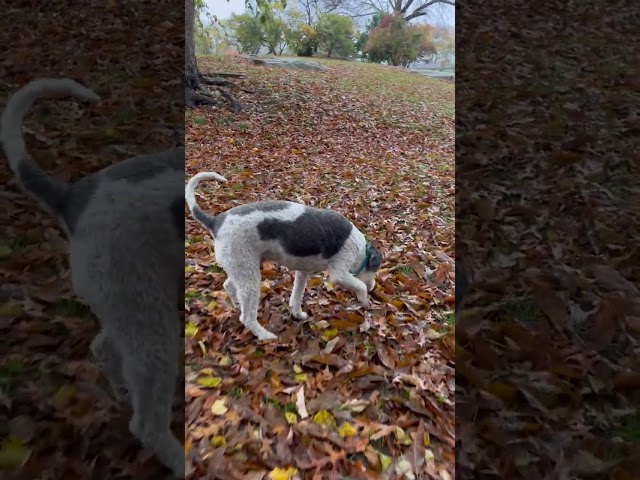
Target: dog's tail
35	181
189	194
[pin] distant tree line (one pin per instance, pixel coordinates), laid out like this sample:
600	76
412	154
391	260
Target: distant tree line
313	27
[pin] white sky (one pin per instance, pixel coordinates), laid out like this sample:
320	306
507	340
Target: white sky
223	9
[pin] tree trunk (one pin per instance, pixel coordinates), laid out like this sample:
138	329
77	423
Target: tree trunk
191	73
193	80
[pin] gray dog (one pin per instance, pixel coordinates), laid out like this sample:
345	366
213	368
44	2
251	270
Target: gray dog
125	226
301	238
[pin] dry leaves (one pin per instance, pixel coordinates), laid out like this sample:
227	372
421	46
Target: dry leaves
348	392
547	220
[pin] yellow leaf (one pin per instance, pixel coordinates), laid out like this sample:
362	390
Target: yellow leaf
11	309
404	468
329	285
426	441
300	377
397	303
209	381
428	455
291	418
402	438
64	394
218	441
297	368
187	446
218	407
189	269
13	453
282	474
231	140
225	361
330	334
346	430
385	460
324	419
212	305
190	330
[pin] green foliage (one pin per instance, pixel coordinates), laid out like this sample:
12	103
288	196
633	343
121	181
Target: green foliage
363	38
398	42
302	39
335	34
247	31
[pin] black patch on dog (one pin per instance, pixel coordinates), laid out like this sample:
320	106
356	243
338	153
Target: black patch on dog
266	206
81	193
177	215
216	222
375	260
145	167
315	232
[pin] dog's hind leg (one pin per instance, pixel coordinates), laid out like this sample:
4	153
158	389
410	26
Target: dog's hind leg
230	288
295	303
245	277
151	370
355	285
109	360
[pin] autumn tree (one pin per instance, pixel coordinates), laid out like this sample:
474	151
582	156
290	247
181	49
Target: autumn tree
363	38
335	34
398	42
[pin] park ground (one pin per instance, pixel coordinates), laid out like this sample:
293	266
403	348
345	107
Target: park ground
348	393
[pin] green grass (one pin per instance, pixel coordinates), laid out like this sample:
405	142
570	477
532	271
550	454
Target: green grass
12	372
236	393
630	428
521	310
215	269
199	120
404	269
71	308
190	295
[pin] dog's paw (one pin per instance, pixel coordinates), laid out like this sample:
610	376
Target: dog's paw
363	299
266	335
300	315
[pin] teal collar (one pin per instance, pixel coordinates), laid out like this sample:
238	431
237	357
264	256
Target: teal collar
364	263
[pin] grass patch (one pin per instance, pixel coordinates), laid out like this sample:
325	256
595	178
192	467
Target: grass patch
199	120
12	372
630	428
190	295
235	393
521	310
215	269
404	269
68	307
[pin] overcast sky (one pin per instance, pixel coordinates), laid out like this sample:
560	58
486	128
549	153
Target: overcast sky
443	13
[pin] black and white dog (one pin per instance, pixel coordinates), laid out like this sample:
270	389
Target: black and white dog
301	238
125	226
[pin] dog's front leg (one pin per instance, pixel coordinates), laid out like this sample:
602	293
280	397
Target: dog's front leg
295	303
348	281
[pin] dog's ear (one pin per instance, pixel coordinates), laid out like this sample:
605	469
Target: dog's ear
375	260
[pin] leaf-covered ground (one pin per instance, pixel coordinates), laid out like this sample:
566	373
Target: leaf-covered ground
57	419
348	393
547	360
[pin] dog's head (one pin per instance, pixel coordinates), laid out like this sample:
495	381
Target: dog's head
373	260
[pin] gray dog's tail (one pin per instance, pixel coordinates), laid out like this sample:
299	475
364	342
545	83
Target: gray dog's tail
52	193
189	194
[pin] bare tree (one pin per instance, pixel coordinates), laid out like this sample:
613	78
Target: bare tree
409	9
